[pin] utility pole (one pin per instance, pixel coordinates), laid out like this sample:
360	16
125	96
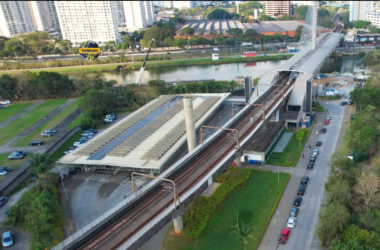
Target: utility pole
237	46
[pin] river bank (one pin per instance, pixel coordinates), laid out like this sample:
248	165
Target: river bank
154	64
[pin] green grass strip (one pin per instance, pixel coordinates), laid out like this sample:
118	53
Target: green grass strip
36	134
7	112
24	122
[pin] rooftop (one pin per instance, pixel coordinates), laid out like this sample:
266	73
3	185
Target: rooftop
265	137
147	138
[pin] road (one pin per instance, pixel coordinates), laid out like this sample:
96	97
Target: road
302	235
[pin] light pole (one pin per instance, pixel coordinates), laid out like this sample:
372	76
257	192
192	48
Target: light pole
279	226
64	188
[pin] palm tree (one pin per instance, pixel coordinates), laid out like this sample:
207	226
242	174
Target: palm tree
243	231
40	164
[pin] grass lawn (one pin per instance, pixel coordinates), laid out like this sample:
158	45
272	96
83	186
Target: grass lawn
13	109
319	109
16	127
291	153
9	163
36	134
254	202
59	152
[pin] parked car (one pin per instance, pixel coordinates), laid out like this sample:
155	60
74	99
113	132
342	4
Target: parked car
36	142
47	134
7	239
3	200
3	173
72	148
8	169
20	152
313	158
350	103
323	130
310	166
107	121
297	201
111	116
77	144
16	156
88	137
294	211
301	190
327	122
5	102
328	117
291	222
316	152
53	131
285	234
83	140
92	130
318	144
304	180
343	103
87	133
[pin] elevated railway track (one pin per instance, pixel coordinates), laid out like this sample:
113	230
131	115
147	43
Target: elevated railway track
123	226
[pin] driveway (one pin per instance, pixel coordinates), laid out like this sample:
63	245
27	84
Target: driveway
301	236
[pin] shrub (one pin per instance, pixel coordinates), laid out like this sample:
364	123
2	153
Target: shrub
195	220
300	134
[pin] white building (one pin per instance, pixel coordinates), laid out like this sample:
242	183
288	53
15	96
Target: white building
15	18
44	15
184	4
374	18
299	3
360	9
166	4
138	14
81	21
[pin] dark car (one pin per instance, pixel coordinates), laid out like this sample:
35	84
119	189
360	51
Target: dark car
323	130
297	201
72	148
304	180
313	158
106	121
350	103
53	131
16	156
294	211
301	190
20	152
343	103
318	144
3	200
36	143
8	169
310	165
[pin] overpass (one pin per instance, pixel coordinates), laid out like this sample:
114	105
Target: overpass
137	218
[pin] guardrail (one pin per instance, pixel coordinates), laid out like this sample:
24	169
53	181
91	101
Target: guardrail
85	231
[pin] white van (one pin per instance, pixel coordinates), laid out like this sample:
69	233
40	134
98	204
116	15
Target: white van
216	49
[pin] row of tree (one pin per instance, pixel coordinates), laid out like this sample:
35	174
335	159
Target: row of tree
46	85
351	218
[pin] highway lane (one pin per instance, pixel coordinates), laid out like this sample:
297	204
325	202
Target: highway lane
301	236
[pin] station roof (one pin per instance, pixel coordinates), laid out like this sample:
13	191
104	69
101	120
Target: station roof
298	93
148	137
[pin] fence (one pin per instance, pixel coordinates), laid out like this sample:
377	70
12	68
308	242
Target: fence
85	231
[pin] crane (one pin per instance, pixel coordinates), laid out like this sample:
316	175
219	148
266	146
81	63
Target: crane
143	66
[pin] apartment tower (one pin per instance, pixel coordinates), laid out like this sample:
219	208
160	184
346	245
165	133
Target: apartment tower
15	18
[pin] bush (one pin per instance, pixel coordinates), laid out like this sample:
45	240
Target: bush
362	53
300	134
87	122
195	220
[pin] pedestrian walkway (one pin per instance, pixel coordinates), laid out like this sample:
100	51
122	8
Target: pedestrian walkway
99	177
283	142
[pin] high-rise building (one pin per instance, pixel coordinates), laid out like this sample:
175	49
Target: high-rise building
15	18
44	15
89	20
138	14
360	9
275	8
184	4
374	18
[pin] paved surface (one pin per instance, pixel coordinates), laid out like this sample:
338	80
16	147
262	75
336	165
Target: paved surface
283	142
302	235
21	113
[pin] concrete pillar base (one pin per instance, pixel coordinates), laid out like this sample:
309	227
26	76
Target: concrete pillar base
178	225
277	115
238	158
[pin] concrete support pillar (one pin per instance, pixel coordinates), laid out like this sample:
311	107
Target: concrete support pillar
177	219
189	122
238	155
314	25
277	115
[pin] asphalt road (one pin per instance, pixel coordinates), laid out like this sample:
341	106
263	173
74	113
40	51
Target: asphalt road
301	236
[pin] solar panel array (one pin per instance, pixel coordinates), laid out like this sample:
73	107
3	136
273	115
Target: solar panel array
133	141
163	145
101	140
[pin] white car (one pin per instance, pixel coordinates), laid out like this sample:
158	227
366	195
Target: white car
291	222
5	102
328	117
77	144
316	152
2	173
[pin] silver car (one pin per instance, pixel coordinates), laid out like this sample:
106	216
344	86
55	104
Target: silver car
291	222
7	239
46	134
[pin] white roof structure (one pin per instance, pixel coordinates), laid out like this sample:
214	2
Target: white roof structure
297	95
146	139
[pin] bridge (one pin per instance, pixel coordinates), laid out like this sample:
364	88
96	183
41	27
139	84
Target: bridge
137	218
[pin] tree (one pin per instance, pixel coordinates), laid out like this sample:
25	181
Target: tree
243	231
299	29
235	31
361	24
97	103
339	192
177	20
169	41
333	220
219	14
7	86
367	194
40	164
187	31
180	42
301	11
153	32
265	18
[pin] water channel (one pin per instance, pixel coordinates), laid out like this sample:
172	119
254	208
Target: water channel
224	71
